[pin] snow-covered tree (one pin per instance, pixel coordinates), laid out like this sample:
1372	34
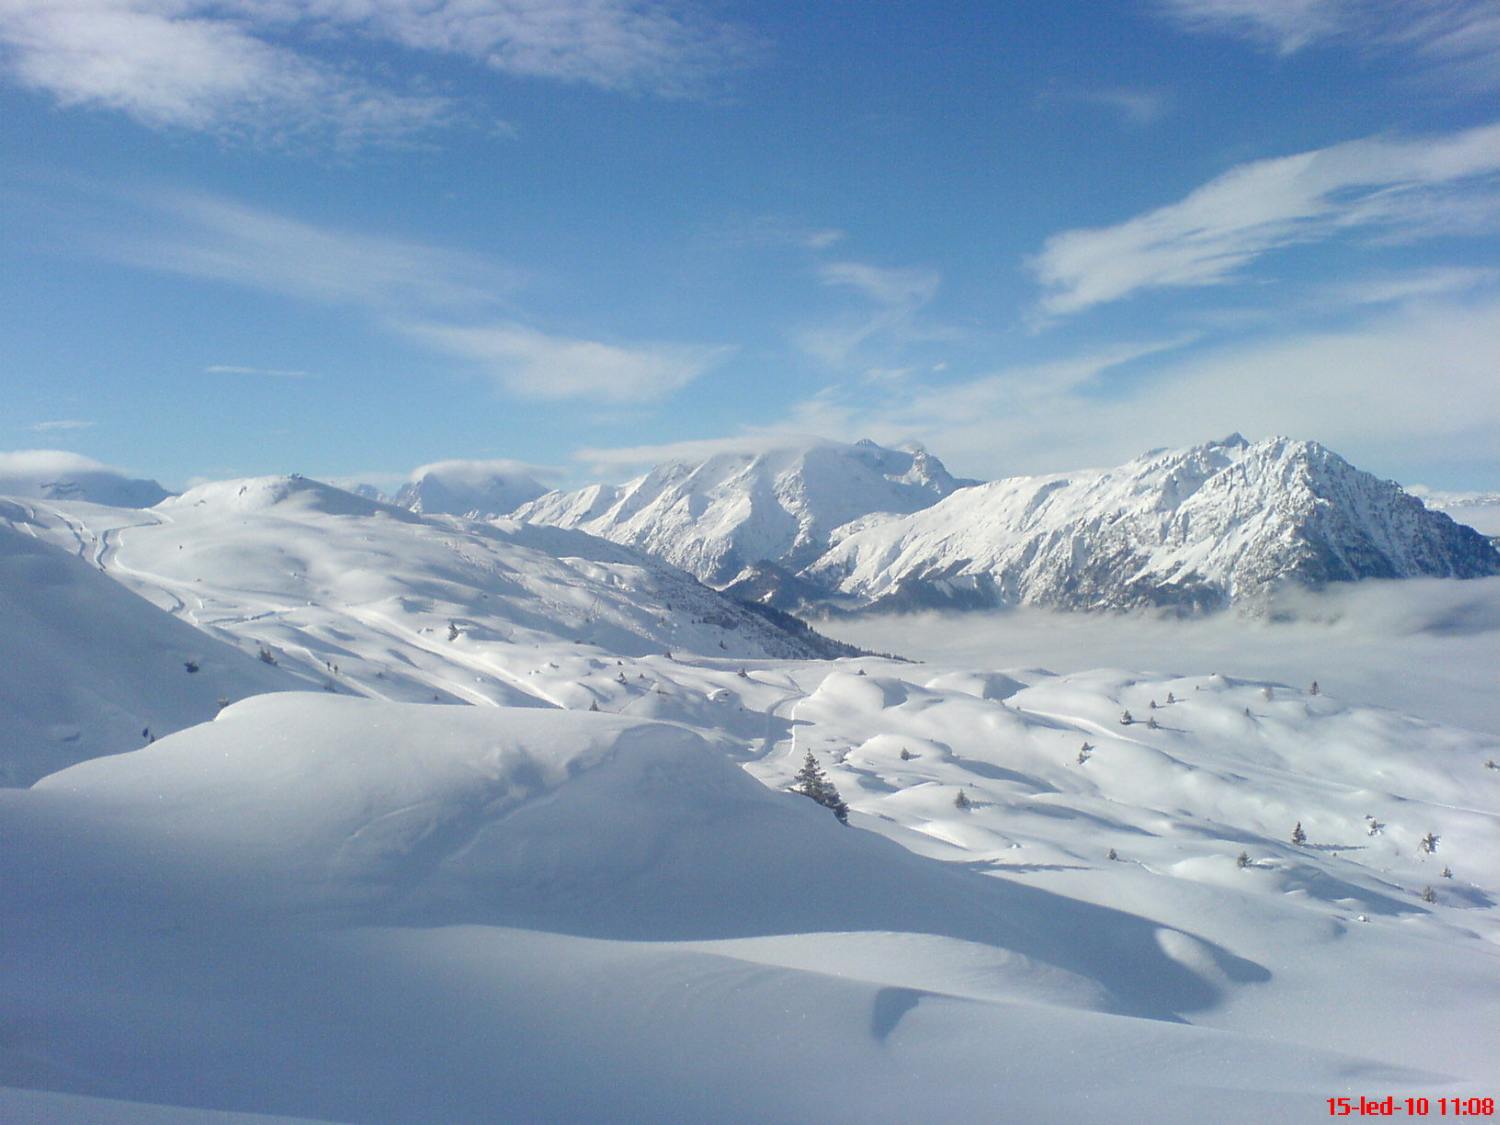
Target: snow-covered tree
1152	724
1112	854
1447	872
1299	837
453	630
1314	689
1171	698
1126	718
1428	894
1243	860
905	754
1429	843
962	801
813	782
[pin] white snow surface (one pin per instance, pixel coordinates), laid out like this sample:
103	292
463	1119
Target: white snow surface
323	907
90	668
1198	527
469	488
717	516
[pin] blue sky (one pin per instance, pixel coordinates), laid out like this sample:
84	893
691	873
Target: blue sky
348	237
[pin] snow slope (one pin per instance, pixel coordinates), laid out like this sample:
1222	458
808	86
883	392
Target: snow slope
353	910
361	597
1198	528
720	516
90	668
460	488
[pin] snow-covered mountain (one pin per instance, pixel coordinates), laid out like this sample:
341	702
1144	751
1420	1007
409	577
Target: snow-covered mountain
727	516
52	474
460	488
1197	528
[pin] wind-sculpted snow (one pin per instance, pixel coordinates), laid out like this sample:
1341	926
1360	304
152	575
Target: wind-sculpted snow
733	511
1193	528
354	910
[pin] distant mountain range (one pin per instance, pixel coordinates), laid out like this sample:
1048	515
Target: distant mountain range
863	526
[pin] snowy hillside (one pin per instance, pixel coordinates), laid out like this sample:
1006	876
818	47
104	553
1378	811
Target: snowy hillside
1196	527
52	474
355	910
721	516
92	669
365	598
459	488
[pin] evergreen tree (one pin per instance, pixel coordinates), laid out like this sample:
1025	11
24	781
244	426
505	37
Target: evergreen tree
1299	837
1428	894
1152	724
1243	860
1429	843
1112	854
813	782
1126	719
962	801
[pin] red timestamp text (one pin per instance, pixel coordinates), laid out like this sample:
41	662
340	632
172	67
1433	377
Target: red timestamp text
1392	1106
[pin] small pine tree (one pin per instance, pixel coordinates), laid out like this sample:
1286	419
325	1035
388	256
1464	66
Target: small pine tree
265	655
1491	764
1429	843
742	674
593	705
1126	718
453	630
962	801
812	782
1243	860
1112	854
1373	826
1152	724
1153	705
1171	698
1447	872
1428	894
905	754
1083	753
191	666
1314	689
1299	837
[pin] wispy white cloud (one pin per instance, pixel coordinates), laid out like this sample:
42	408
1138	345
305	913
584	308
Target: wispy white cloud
243	67
532	364
1286	25
265	372
1394	287
478	471
1208	237
891	299
750	443
218	239
61	425
197	66
1451	40
1134	106
1415	382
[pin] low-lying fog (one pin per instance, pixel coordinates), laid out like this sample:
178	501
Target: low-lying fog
1428	647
